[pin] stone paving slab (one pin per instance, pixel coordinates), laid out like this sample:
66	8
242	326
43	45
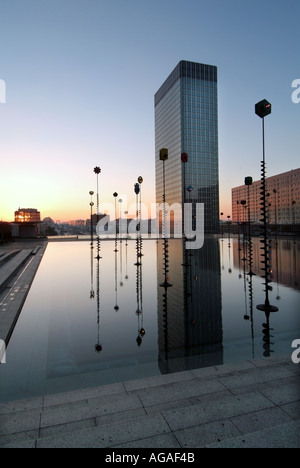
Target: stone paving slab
109	435
281	436
263	419
201	435
252	404
227	407
254	377
161	441
89	408
78	395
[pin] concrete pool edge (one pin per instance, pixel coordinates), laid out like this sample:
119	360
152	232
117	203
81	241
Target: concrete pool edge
17	287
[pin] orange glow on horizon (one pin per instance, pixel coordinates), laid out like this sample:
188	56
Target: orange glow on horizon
64	215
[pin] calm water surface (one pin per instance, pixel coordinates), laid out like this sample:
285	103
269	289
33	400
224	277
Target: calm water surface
88	322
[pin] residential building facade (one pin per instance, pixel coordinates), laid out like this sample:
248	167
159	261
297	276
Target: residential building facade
283	199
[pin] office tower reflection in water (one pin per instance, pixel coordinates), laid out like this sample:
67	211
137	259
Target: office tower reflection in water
190	331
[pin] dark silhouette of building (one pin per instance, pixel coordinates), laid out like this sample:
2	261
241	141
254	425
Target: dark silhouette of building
5	231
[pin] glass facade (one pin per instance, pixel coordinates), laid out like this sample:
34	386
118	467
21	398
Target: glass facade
186	120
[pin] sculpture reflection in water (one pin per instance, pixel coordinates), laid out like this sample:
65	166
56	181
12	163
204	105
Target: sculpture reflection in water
283	260
98	346
139	264
190	330
139	301
263	109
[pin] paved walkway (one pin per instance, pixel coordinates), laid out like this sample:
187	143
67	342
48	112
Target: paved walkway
253	404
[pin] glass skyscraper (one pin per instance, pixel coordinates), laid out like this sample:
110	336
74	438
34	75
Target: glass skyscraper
186	121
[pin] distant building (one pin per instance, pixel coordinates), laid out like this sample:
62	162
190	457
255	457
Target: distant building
283	199
48	227
27	223
77	222
95	218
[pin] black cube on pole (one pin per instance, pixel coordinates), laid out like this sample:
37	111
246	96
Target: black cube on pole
263	108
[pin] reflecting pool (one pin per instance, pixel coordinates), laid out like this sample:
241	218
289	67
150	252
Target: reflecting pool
147	309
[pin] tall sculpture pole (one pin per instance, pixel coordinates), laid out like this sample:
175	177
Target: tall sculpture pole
98	346
138	227
262	109
140	181
184	161
248	183
164	155
92	230
116	237
97	171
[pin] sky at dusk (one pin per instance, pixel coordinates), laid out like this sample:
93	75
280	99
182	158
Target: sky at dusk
80	81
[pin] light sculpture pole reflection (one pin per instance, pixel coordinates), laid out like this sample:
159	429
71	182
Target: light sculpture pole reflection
98	346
